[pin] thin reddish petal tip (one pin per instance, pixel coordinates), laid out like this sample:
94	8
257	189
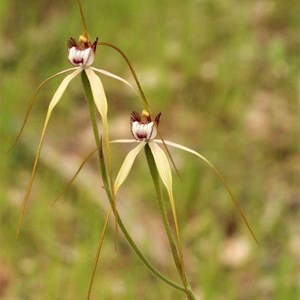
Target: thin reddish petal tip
157	118
71	42
135	117
94	45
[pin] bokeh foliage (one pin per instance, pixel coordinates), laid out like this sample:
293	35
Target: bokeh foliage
224	74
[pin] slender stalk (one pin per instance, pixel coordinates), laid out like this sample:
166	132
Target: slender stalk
145	102
176	255
103	173
142	95
101	239
85	31
109	184
162	207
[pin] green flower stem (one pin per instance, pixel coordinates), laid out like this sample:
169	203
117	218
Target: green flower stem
103	172
142	94
144	99
108	184
91	105
85	31
161	203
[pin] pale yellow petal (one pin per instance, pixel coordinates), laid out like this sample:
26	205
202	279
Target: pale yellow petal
109	74
127	165
124	141
162	165
98	92
234	200
33	101
61	89
55	99
165	174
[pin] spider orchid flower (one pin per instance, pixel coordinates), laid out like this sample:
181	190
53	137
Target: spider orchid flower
144	131
81	55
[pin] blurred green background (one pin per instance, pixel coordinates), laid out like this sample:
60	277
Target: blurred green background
224	74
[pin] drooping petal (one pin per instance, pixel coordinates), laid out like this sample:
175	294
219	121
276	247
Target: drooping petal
61	89
221	179
127	165
162	165
109	74
55	99
165	174
98	92
124	141
32	103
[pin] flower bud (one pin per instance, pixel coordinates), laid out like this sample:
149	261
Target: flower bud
80	54
143	129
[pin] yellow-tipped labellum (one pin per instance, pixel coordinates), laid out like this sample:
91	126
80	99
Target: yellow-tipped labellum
55	99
